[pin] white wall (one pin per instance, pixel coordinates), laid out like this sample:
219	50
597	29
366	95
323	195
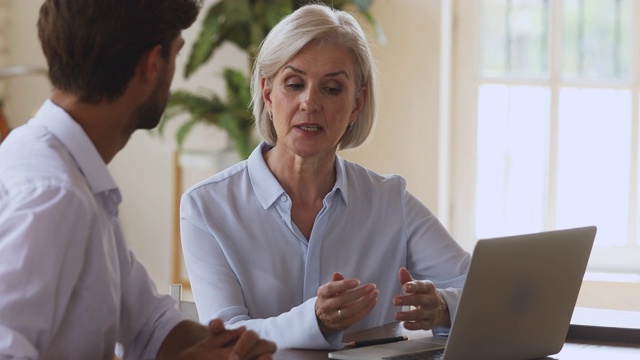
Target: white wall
406	140
24	94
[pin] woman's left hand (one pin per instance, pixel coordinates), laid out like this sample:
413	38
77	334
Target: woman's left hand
428	307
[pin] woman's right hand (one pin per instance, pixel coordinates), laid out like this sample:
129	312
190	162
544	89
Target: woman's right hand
343	302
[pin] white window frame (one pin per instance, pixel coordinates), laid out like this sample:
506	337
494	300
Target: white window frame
466	81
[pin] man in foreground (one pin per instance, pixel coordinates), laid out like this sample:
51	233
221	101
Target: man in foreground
70	288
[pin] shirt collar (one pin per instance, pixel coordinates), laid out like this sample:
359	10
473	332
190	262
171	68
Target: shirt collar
267	187
71	134
341	180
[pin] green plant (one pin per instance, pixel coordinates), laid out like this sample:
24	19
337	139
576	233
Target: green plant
244	23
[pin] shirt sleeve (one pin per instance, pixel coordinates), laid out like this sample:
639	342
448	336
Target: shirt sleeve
43	234
218	294
147	317
433	254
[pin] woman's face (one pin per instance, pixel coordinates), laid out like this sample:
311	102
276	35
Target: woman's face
313	98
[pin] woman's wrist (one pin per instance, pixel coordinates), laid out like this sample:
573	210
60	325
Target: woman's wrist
443	318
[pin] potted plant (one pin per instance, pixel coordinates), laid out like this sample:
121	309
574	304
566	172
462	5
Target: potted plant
244	23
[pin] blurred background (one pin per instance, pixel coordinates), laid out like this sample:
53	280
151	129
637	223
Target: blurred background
504	116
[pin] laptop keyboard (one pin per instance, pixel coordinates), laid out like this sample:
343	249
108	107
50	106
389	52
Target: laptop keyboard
422	355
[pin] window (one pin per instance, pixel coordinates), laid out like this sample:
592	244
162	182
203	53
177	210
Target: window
546	121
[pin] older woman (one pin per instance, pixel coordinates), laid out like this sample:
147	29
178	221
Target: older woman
297	243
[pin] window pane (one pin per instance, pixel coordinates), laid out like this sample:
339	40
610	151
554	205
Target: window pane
513	127
594	142
596	41
515	38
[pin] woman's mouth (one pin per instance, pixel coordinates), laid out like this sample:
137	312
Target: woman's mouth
309	128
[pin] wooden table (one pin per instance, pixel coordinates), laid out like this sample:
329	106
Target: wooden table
573	349
392	329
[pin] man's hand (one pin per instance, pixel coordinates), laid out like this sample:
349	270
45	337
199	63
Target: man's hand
192	341
429	308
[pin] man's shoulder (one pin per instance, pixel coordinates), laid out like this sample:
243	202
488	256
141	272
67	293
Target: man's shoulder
32	158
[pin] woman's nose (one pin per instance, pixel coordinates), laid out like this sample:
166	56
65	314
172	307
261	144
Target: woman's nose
310	101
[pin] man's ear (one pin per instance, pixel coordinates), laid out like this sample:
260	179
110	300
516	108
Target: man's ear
150	63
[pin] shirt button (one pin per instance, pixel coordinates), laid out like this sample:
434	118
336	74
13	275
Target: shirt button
283	198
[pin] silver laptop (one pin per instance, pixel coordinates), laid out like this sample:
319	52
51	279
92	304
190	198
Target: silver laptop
516	303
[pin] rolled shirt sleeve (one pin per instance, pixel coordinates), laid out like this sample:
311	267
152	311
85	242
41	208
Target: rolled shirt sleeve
70	286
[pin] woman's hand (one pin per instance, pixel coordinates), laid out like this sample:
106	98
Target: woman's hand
429	308
343	302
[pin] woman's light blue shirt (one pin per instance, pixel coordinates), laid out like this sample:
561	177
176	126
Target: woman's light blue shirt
250	265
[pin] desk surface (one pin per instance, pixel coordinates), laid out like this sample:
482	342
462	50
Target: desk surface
572	350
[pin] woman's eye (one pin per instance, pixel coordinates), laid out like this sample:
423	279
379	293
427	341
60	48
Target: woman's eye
333	90
294	86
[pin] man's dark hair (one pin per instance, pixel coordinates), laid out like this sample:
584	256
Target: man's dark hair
93	46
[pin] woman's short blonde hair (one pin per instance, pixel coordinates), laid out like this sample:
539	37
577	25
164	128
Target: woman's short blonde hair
315	23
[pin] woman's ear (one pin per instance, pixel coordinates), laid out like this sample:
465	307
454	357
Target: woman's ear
361	99
266	87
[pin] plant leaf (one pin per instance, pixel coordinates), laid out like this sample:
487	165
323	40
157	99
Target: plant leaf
184	130
238	91
208	39
196	105
238	21
277	10
200	108
227	20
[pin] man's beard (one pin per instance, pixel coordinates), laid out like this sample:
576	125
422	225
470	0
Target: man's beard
148	115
